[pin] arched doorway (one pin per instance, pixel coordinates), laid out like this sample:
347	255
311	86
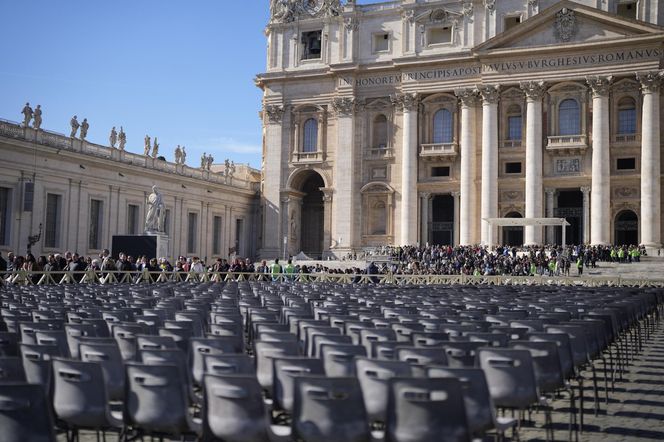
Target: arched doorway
626	227
513	235
312	221
442	220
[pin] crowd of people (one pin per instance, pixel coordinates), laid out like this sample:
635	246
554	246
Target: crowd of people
408	260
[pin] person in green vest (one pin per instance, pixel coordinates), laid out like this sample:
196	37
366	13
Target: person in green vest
579	265
621	254
614	255
289	269
275	270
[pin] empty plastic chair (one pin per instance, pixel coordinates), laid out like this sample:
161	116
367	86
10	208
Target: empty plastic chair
108	356
339	359
329	409
374	376
152	342
265	352
200	347
11	369
426	410
37	363
25	414
229	364
9	344
461	354
421	355
53	337
286	369
367	336
75	333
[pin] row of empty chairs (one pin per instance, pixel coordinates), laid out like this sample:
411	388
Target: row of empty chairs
317	362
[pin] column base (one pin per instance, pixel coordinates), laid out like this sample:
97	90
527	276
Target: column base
654	249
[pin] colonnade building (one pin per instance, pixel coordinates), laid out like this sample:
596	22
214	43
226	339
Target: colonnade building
412	122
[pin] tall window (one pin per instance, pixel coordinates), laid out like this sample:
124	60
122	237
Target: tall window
626	116
167	222
310	139
379	218
569	118
52	228
192	221
239	223
132	219
380	131
96	213
514	123
442	126
4	215
216	235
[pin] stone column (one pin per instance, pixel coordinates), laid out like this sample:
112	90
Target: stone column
534	91
344	173
457	216
586	190
550	230
650	160
489	207
601	163
467	211
272	240
424	220
409	104
327	221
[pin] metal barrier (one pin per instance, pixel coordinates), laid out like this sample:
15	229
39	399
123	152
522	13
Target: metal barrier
145	277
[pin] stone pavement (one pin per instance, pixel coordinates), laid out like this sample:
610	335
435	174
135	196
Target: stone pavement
636	406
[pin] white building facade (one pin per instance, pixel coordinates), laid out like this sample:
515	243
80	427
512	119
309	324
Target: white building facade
412	121
82	194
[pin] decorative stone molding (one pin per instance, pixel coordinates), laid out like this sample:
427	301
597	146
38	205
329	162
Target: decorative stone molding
625	86
650	81
406	102
455	194
600	85
565	27
534	90
408	15
351	23
286	11
343	106
467	9
468	97
533	3
550	191
586	192
489	93
274	113
425	195
512	195
490	6
626	192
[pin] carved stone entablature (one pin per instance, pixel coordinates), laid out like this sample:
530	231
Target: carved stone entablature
626	192
534	90
286	11
380	104
437	16
512	195
625	86
490	6
343	106
274	113
600	85
406	102
650	81
565	27
468	97
489	93
512	93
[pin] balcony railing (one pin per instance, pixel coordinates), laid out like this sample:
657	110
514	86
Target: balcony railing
510	143
627	138
438	150
567	142
379	153
307	157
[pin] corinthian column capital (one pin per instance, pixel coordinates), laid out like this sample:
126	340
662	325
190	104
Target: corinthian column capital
650	81
600	85
489	93
467	96
534	90
343	106
406	101
274	113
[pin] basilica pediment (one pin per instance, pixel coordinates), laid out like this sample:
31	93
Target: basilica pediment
569	23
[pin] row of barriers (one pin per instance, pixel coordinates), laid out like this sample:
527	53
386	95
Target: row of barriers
146	277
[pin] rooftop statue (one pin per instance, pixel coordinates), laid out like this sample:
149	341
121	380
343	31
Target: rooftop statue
113	138
27	114
84	128
74	126
37	121
122	137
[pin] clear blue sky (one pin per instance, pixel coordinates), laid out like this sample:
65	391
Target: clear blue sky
179	70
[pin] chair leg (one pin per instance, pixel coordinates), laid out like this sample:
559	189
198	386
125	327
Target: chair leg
580	380
596	396
606	382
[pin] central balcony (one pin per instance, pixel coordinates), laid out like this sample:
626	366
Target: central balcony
378	153
567	143
439	150
307	157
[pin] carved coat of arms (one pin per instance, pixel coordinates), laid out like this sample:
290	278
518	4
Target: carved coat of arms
565	26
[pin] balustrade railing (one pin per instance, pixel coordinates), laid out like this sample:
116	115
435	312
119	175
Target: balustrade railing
438	149
567	142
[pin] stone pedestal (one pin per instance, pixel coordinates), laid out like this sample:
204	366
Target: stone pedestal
150	244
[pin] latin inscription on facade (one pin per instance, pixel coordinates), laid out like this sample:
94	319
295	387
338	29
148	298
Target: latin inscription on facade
567	166
506	67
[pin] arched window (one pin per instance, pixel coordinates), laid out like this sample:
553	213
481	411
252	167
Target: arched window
569	117
380	132
442	126
626	116
310	140
514	122
379	218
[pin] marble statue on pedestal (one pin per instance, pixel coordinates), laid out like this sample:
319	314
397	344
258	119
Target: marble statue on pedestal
156	212
113	138
155	148
178	155
27	114
122	137
36	123
74	126
146	149
84	128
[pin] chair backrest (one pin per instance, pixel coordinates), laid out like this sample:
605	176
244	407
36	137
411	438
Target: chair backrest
265	353
426	410
489	339
9	343
29	330
374	376
421	355
25	414
314	331
339	359
427	339
229	364
79	393
384	350
462	354
200	347
510	375
154	342
156	400
11	369
181	336
479	406
37	363
53	337
75	333
369	335
329	408
577	340
286	369
108	356
546	362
